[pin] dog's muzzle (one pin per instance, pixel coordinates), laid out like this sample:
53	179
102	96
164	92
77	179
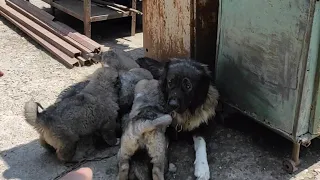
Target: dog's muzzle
174	103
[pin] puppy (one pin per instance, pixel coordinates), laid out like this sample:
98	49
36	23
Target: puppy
127	83
145	128
188	89
94	108
115	58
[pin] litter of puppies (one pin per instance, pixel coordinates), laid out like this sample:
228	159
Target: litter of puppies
123	100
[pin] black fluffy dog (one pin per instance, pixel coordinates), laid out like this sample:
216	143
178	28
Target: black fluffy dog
187	87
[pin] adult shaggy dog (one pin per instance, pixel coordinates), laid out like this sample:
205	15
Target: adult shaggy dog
187	87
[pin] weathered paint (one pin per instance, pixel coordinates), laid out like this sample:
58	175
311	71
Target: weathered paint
166	28
314	53
260	55
180	28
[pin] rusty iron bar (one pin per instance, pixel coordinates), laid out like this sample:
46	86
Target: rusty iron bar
83	61
296	153
42	32
46	23
118	6
32	8
80	38
134	18
62	57
87	17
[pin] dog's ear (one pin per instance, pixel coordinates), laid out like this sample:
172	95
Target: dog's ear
206	72
152	65
202	89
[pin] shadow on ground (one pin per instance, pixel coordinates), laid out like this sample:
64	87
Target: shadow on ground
30	161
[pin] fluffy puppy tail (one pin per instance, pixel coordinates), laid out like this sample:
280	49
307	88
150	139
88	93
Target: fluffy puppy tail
31	113
160	122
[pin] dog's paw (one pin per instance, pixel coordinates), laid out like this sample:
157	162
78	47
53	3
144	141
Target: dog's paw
201	170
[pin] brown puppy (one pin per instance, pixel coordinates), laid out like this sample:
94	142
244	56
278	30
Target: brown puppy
145	128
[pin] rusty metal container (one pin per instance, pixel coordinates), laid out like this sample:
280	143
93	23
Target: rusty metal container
180	28
268	65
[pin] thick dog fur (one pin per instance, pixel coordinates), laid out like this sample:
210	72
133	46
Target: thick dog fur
128	81
187	87
95	108
145	128
90	106
117	59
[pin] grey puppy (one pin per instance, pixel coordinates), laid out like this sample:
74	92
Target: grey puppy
77	104
94	108
145	129
114	58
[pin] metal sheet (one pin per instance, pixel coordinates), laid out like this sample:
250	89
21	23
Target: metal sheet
314	57
261	47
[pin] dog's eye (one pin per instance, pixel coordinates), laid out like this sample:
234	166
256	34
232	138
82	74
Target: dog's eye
187	84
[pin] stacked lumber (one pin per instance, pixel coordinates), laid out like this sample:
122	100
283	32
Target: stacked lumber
69	46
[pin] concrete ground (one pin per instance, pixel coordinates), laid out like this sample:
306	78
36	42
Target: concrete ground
239	150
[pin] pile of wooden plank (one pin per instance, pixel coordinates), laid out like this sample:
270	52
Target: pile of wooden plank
70	47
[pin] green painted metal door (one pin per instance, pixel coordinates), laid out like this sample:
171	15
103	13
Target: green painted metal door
262	55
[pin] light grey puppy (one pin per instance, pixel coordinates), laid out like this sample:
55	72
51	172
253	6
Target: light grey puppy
145	129
95	108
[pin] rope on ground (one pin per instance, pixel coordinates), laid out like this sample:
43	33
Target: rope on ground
80	163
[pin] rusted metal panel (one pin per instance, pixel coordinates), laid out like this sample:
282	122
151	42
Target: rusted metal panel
63	58
181	28
166	28
261	58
